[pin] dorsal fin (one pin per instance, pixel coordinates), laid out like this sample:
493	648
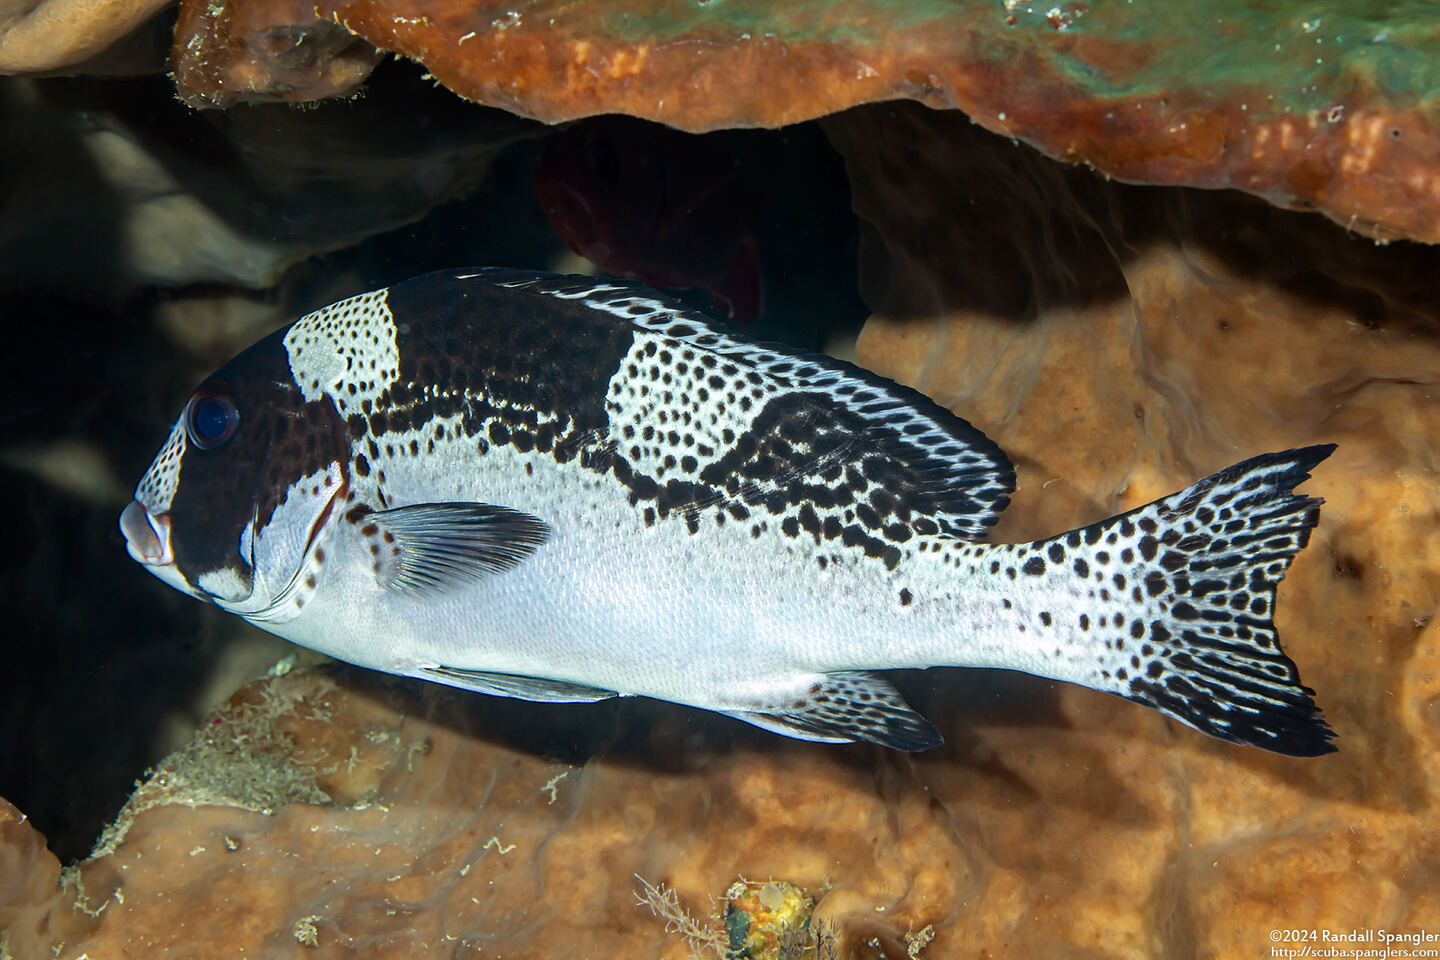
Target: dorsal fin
925	467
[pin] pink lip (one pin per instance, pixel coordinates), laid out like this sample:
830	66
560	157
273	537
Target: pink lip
148	537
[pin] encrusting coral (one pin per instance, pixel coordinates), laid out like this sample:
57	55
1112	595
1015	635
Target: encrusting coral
431	834
1312	103
1302	103
1117	341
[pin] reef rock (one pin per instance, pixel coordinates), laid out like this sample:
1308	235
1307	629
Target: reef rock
1117	342
339	811
1303	103
47	35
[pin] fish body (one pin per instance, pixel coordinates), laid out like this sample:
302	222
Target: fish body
569	489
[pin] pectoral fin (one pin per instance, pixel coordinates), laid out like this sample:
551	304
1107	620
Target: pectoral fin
849	706
514	685
433	546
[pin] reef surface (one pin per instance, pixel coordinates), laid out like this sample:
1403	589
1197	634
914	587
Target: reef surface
1327	104
1323	103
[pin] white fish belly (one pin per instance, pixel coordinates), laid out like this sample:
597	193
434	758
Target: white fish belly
715	618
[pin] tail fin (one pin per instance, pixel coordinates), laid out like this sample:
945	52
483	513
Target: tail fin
1206	562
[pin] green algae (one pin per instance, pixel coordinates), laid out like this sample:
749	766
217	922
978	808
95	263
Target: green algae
1299	53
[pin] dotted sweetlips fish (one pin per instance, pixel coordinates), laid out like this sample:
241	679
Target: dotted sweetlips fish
569	489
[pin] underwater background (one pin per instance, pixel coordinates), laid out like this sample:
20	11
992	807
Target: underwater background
932	190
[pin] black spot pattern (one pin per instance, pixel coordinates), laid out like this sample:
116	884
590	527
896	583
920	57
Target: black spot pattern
849	706
551	365
534	382
1206	562
802	448
525	361
477	367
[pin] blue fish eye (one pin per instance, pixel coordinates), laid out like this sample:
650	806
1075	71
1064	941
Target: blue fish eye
210	421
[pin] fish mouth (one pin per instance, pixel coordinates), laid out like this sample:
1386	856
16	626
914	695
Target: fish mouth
147	536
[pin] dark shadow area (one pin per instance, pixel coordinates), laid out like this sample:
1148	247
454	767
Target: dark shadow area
1000	230
671	739
94	656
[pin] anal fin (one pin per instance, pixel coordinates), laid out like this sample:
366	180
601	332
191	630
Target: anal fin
786	727
845	707
541	689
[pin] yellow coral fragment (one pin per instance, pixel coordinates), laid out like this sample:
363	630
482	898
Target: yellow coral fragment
305	932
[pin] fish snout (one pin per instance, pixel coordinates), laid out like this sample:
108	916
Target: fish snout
147	536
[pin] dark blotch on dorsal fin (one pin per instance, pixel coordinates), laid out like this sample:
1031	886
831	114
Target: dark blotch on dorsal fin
541	689
935	473
849	706
901	458
432	546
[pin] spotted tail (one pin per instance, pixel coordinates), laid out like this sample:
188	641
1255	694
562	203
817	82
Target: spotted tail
1196	573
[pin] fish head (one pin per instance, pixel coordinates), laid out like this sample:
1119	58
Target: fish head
237	506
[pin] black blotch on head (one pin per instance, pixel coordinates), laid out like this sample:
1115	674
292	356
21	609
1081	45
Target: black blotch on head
280	439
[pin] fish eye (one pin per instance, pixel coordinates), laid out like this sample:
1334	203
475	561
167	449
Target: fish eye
210	420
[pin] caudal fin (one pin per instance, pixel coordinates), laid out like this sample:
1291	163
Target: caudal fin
1203	564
